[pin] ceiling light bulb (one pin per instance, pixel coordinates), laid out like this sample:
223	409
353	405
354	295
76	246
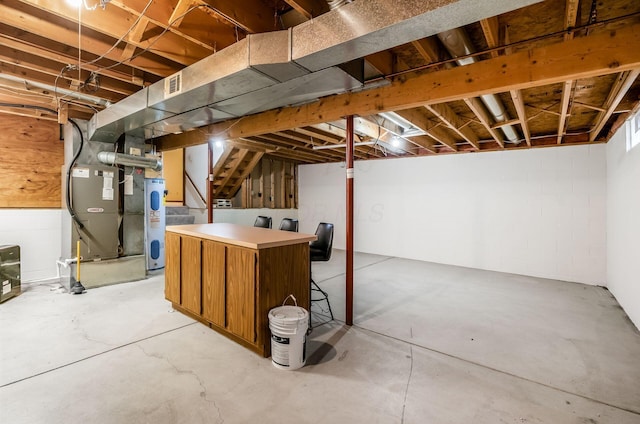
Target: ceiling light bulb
74	3
395	141
218	143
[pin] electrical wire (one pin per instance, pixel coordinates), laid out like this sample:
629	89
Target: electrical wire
123	35
152	43
72	212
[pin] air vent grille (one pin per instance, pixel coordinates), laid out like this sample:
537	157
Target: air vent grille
173	85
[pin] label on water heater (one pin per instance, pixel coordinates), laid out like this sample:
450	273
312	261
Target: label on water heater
95	210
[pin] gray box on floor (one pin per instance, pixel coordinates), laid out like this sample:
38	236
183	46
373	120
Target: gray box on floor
9	271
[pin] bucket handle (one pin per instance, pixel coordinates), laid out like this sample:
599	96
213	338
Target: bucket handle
292	297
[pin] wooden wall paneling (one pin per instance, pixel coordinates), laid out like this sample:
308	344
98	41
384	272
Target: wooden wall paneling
172	268
191	290
283	184
261	185
32	157
173	173
213	282
241	277
272	185
295	186
278	279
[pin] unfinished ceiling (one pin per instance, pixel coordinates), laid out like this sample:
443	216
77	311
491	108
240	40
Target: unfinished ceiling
553	73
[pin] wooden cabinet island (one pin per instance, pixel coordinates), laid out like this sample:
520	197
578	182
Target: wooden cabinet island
229	276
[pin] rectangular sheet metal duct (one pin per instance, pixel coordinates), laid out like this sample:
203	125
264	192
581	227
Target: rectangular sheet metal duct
281	68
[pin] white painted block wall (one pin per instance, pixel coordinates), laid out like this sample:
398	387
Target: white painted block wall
537	212
623	223
38	232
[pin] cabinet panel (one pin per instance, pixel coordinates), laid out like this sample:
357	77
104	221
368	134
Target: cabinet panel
172	268
241	292
213	282
191	274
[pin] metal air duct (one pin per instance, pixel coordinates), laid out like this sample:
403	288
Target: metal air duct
112	158
281	68
458	44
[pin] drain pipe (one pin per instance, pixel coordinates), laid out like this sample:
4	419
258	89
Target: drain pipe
112	158
458	44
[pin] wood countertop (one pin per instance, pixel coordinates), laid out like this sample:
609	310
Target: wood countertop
241	235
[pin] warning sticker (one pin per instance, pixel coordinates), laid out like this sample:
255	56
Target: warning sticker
6	287
80	173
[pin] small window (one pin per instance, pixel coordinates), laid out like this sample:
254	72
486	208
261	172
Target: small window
633	134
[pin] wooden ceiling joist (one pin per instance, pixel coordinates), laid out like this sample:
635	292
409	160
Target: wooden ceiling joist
518	102
620	87
309	8
23	17
453	121
607	52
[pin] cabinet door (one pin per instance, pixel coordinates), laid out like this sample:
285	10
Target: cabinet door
241	271
213	278
172	268
191	272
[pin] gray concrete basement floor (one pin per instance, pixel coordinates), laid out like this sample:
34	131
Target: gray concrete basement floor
432	344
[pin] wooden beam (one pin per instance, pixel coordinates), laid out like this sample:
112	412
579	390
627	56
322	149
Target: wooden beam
61	54
135	37
382	61
428	48
420	120
491	31
571	16
570	19
518	102
620	87
179	11
424	142
22	16
309	8
171	46
564	108
476	106
53	68
48	79
252	16
440	135
453	121
584	57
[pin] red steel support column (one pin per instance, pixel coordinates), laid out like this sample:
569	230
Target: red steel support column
349	279
209	168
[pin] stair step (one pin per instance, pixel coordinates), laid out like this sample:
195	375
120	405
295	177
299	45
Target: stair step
177	210
180	219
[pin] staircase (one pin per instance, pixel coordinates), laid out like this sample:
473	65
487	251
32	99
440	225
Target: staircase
178	215
233	166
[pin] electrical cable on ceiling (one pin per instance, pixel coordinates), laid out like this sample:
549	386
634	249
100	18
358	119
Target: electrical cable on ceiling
146	49
123	35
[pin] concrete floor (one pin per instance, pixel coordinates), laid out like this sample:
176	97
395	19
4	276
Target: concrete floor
431	344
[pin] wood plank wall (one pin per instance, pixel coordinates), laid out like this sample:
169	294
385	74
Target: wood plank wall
31	159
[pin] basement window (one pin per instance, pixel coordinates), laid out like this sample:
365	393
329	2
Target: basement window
633	134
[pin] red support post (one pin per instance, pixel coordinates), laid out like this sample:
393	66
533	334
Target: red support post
209	168
349	223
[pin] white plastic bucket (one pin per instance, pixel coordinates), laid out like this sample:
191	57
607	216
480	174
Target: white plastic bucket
288	325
